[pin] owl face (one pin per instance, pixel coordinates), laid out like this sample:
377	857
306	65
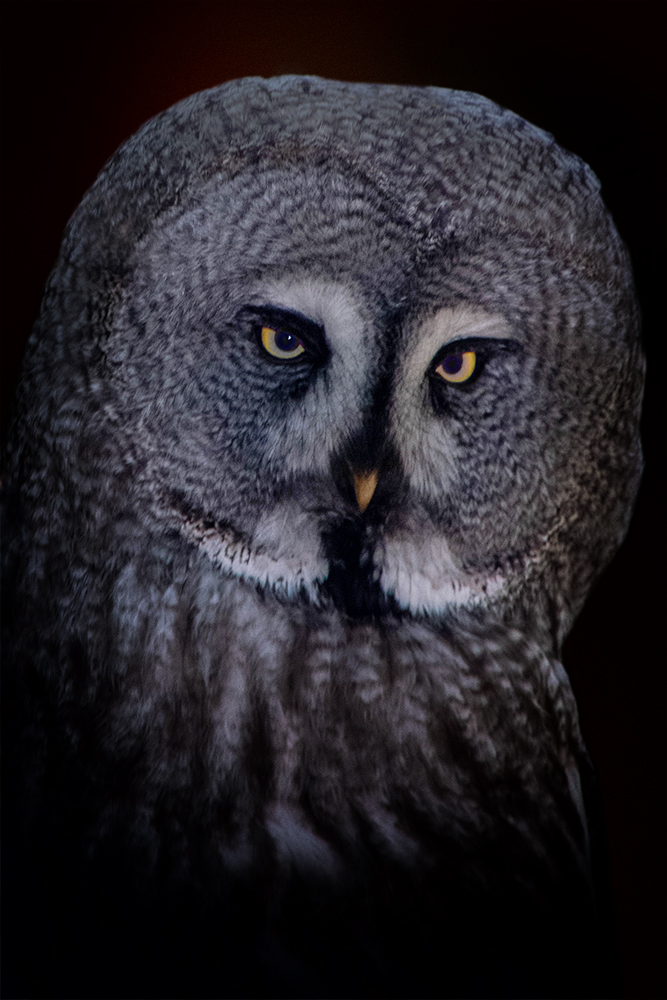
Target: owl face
372	346
327	403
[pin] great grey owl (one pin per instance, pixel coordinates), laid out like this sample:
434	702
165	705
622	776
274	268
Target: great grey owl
327	424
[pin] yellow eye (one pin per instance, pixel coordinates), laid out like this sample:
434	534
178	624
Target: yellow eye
457	366
281	344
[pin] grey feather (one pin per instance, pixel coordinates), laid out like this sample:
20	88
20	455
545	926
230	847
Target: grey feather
297	748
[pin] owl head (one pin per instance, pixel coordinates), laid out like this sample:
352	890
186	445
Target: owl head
368	347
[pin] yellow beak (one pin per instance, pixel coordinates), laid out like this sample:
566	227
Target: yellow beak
364	487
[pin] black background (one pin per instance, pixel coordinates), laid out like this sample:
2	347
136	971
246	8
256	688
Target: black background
79	78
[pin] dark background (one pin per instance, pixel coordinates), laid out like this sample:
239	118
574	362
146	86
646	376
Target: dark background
79	78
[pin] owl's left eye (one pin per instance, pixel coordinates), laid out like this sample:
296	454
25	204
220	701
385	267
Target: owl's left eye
457	366
281	344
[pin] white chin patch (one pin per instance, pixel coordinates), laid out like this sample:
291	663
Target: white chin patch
284	553
423	577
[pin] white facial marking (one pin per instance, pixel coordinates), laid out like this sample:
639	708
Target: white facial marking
445	326
327	303
426	446
284	553
423	577
332	409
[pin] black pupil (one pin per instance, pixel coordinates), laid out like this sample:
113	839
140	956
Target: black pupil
453	363
286	341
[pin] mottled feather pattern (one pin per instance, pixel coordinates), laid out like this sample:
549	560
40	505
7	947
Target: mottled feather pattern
267	740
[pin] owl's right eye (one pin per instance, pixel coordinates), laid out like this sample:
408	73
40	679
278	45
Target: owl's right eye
281	343
285	336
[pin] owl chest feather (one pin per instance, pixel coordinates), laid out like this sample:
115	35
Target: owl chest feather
340	801
315	738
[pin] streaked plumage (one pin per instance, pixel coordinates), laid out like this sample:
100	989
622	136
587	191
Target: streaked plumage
269	742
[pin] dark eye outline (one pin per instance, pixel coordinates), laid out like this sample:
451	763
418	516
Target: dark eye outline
309	333
484	349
